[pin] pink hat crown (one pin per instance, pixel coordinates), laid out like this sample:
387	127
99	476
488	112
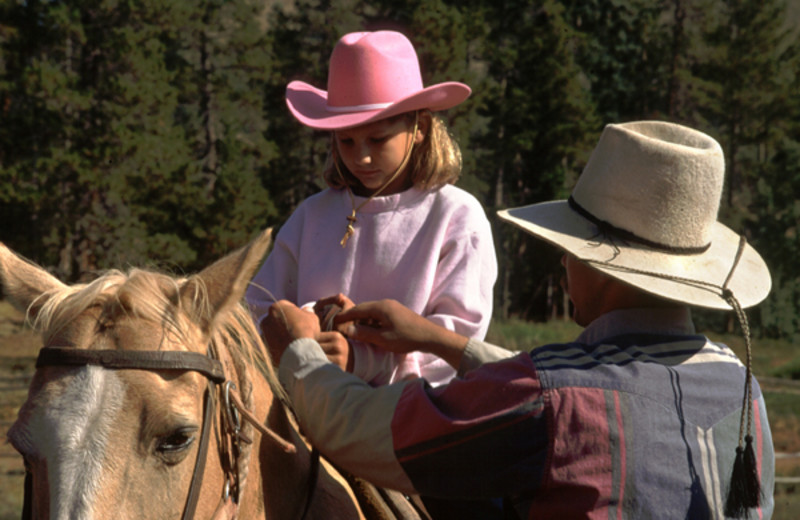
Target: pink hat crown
368	69
371	76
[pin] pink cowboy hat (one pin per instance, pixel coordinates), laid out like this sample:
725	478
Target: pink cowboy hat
371	76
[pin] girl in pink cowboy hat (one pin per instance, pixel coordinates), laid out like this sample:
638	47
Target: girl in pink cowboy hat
391	224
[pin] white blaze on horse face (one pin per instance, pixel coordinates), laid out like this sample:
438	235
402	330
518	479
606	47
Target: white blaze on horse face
71	432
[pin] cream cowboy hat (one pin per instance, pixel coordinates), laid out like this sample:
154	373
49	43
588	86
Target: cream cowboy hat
644	211
371	76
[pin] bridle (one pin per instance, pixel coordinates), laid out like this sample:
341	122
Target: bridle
233	409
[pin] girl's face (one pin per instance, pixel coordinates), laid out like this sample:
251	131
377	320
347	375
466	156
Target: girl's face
374	151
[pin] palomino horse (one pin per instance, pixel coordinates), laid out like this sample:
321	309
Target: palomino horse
149	398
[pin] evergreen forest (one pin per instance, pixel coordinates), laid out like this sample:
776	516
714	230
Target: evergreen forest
155	133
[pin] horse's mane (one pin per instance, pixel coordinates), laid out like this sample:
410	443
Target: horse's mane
155	297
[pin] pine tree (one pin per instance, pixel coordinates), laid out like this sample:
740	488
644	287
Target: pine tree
55	107
630	53
744	71
540	124
140	130
749	65
224	58
302	37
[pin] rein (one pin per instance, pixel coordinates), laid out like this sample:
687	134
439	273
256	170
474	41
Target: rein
183	361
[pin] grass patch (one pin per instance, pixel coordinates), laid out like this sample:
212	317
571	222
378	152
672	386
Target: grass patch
771	357
781	403
787	502
18	346
515	334
783	410
790	370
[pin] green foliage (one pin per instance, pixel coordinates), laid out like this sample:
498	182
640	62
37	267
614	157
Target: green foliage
625	52
150	132
301	36
776	233
749	92
540	123
137	132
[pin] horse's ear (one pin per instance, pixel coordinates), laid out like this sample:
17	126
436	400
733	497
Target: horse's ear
227	279
24	282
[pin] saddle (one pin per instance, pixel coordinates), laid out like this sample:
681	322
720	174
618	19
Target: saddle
385	504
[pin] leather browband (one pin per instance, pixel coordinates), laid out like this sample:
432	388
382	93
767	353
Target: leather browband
133	359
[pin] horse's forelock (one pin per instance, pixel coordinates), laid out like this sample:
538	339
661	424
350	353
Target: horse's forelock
62	306
139	293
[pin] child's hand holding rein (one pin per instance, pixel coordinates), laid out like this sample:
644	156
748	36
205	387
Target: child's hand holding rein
331	339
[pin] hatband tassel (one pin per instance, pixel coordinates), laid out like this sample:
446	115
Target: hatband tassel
734	504
745	488
753	491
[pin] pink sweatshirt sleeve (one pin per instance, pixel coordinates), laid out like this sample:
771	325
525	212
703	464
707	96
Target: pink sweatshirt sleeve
461	297
277	277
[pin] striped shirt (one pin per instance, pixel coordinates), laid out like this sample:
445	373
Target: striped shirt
638	418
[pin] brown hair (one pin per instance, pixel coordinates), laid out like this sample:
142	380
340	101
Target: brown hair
434	162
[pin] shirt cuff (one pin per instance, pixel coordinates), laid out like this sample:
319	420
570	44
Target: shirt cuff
476	353
301	357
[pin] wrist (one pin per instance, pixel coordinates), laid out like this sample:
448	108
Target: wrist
448	345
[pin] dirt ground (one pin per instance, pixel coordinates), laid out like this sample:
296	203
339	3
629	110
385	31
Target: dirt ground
18	349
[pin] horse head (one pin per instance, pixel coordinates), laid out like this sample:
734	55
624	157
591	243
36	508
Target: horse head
137	404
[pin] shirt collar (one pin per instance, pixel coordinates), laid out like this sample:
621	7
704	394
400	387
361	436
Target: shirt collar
386	203
670	321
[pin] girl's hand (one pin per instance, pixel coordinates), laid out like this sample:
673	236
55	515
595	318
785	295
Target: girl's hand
327	308
337	349
338	299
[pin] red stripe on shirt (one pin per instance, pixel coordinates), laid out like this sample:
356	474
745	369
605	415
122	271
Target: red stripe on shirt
580	466
622	454
759	447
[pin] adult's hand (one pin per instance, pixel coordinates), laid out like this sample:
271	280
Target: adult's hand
396	328
284	323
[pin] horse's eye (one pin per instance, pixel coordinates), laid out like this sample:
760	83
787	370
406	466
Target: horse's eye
172	447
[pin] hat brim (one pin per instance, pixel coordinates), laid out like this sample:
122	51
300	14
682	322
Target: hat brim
694	279
310	105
